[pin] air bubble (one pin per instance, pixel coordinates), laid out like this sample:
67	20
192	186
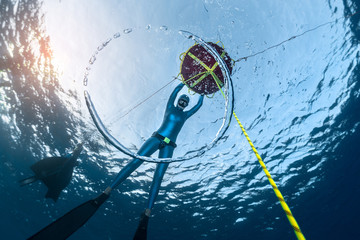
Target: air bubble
148	27
85	81
92	59
116	35
164	28
128	30
106	42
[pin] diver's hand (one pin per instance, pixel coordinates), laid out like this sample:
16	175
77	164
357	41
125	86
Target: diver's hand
181	85
201	98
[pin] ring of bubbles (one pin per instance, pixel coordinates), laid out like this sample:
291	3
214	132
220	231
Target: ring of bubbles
229	105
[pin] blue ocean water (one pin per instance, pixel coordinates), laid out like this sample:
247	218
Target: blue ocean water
299	103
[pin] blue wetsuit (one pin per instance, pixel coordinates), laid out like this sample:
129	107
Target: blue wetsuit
174	119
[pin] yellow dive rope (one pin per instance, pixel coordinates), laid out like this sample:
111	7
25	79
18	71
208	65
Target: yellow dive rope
285	207
289	215
273	184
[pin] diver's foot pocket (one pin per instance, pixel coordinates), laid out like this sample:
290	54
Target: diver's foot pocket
141	231
100	199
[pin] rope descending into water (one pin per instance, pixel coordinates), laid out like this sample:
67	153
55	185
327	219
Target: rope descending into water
285	207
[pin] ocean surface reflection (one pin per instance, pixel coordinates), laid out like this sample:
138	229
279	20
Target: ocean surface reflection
299	103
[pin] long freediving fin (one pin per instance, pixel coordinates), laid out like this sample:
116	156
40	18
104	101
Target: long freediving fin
66	225
141	231
28	180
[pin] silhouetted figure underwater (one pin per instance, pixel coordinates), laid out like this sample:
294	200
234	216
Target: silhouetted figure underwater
163	140
54	172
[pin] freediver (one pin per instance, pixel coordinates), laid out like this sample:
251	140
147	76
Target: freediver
163	140
54	172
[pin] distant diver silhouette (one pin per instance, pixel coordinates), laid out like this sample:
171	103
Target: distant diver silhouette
163	140
54	172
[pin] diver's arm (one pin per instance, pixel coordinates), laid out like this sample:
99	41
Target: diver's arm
196	107
173	95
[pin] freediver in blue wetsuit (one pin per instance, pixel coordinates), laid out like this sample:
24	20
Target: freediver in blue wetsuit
163	140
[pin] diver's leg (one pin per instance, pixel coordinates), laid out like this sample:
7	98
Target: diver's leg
141	231
165	152
155	186
148	148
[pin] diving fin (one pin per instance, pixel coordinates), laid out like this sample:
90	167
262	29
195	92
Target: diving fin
28	180
66	225
141	231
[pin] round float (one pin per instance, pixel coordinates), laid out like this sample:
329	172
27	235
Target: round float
201	72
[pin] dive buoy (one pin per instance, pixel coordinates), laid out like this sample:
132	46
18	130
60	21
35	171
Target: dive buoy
200	71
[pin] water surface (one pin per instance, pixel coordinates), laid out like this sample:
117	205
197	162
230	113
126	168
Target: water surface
299	103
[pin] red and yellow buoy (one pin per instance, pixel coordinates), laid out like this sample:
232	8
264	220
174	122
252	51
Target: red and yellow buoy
201	72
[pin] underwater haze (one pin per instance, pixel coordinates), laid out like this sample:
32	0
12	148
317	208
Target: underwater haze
296	87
